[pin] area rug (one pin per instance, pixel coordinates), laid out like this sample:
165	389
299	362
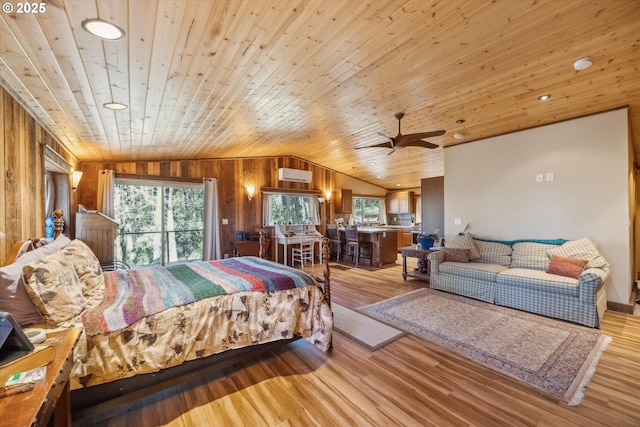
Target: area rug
549	355
363	329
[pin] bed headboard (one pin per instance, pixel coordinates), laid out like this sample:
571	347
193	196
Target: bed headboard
21	247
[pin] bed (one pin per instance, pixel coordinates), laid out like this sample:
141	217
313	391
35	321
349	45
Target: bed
142	325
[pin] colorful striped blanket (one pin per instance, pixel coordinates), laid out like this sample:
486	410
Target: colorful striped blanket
132	295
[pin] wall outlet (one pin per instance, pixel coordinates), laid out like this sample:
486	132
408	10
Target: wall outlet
549	176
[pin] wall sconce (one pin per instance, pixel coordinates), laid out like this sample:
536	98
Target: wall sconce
250	191
328	195
75	180
321	200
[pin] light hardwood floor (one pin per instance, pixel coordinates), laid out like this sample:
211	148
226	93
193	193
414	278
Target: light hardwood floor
409	382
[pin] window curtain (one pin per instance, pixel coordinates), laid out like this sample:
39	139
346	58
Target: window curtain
211	238
383	210
267	216
315	209
105	192
49	195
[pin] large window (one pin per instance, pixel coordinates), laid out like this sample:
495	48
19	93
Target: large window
159	223
368	210
288	208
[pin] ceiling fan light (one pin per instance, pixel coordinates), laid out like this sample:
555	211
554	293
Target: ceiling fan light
103	29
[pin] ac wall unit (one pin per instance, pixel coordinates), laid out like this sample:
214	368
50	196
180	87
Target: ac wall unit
294	175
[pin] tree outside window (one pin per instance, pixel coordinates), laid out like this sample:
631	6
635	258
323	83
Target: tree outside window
158	223
367	210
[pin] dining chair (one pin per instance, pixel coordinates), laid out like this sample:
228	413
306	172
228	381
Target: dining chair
305	251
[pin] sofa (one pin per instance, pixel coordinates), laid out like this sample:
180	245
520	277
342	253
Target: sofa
558	278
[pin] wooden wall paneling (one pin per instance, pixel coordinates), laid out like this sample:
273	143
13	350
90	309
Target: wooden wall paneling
227	197
3	167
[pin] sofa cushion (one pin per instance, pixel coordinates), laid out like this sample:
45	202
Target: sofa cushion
568	267
494	253
531	255
457	255
474	270
538	280
464	241
580	249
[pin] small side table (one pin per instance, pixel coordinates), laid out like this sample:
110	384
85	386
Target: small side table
50	396
414	252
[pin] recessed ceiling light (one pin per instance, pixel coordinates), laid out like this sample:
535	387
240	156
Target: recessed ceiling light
544	97
458	135
582	64
103	29
114	106
460	121
399	185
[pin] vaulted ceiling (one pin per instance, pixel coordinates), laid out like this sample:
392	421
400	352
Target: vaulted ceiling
316	78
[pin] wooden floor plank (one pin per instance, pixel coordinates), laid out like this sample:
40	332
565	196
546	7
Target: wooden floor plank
408	382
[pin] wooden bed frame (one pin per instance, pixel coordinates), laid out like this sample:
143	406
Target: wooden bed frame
104	399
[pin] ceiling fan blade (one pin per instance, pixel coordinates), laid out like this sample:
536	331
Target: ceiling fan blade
392	140
381	145
420	143
393	150
424	135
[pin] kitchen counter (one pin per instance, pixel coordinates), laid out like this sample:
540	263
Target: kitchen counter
384	242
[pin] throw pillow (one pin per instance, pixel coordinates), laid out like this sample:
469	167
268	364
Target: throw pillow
457	255
54	287
580	249
87	266
568	267
13	296
464	241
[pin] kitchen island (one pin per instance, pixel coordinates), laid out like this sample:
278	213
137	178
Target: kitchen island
384	244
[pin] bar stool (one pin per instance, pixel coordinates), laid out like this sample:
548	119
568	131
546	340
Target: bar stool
356	248
335	243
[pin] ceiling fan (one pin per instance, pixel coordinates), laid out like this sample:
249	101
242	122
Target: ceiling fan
410	140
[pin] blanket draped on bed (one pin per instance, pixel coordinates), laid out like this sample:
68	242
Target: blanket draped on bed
132	295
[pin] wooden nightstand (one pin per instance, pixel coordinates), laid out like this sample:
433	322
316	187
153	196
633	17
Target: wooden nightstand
51	396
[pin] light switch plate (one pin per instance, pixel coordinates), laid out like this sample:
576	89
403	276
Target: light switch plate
549	176
457	221
539	177
225	221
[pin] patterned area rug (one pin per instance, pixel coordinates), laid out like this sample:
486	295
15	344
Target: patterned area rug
363	329
552	356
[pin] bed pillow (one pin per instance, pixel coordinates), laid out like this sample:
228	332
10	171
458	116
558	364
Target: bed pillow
567	267
464	241
54	287
87	266
13	296
580	249
457	255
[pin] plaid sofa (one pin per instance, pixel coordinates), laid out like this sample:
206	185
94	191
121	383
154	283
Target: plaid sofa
514	274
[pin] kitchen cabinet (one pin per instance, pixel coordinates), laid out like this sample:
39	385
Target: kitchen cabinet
401	202
343	201
405	237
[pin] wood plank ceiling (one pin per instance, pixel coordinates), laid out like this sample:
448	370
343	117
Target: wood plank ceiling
316	78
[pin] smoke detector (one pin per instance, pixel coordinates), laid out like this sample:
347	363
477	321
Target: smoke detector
582	64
